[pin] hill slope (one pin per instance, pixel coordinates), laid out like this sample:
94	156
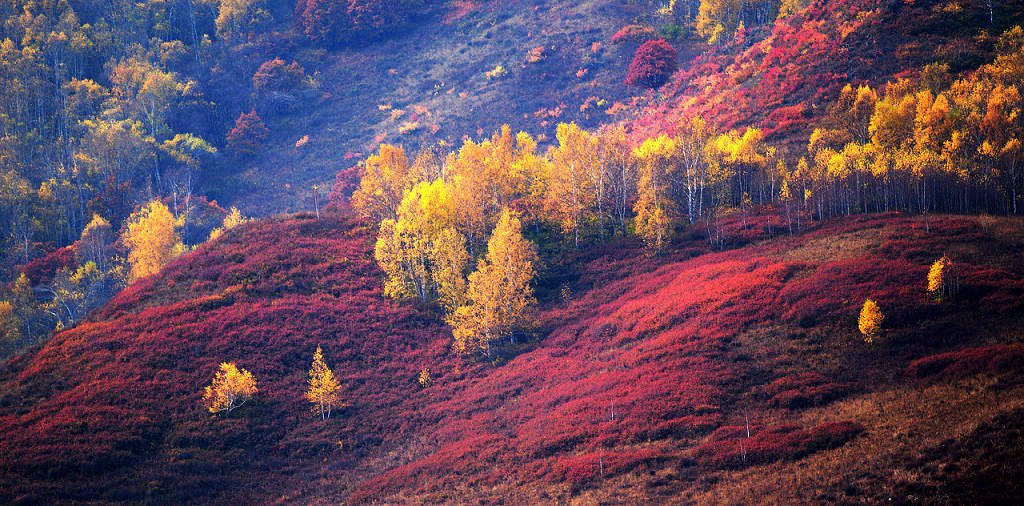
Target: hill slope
642	386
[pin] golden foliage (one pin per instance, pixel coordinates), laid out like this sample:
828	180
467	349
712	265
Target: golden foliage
386	177
233	219
231	388
152	239
323	387
870	321
499	293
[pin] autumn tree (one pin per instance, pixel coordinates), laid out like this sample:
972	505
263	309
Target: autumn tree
718	19
386	177
94	245
654	207
653	63
248	135
942	279
231	388
615	154
870	320
278	76
419	251
488	176
323	387
152	239
235	18
577	179
233	219
10	326
500	298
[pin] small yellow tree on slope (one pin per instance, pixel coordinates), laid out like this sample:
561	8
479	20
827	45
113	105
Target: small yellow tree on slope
231	388
323	387
870	321
233	219
942	280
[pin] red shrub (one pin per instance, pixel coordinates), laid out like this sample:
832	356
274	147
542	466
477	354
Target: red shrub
330	22
653	63
276	75
803	390
634	33
41	270
991	359
345	183
729	447
248	135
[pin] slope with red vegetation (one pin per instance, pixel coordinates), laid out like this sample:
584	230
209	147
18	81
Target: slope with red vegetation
785	79
643	386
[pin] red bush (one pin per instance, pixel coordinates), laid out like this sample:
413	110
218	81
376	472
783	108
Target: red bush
991	359
653	63
345	183
41	270
276	75
803	390
331	22
248	135
634	33
729	447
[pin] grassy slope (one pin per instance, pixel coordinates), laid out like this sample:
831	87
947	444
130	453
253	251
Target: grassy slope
639	388
439	66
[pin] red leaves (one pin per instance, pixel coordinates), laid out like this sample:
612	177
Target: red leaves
730	447
990	359
249	134
329	22
653	63
276	75
41	270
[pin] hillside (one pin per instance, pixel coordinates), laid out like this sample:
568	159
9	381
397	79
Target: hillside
640	385
430	85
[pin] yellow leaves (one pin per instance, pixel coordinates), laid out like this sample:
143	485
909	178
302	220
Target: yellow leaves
424	377
323	387
870	320
230	389
935	275
385	178
421	252
572	190
10	333
233	219
943	281
500	298
152	239
497	72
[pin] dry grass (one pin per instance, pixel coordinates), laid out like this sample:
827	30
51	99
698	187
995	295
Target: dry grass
903	422
840	247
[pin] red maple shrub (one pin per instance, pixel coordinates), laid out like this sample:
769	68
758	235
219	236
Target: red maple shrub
990	359
731	447
277	75
345	184
331	22
41	270
248	135
639	372
653	63
634	33
803	390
